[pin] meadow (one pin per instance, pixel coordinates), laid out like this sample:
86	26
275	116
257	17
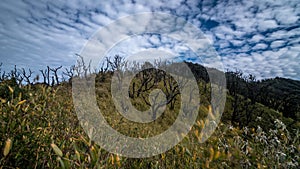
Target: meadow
40	129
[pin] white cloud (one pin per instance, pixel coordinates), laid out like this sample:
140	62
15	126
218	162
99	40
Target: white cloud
260	46
276	44
286	15
264	25
256	38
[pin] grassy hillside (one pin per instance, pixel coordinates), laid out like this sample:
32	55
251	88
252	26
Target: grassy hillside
40	129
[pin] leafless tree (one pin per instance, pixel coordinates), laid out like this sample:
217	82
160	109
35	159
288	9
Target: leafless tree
82	69
118	66
156	104
1	79
45	74
104	67
69	72
3	75
147	82
48	74
172	88
55	70
103	70
15	74
27	76
117	63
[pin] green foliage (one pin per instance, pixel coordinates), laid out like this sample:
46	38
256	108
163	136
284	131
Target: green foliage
9	89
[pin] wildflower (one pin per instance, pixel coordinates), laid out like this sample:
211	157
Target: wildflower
258	118
258	130
7	147
211	154
22	102
56	150
246	130
118	160
11	89
217	155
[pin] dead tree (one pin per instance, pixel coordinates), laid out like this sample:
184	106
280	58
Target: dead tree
45	75
146	79
53	81
156	104
172	90
104	67
118	66
81	69
69	72
103	71
1	75
55	70
15	74
117	63
27	76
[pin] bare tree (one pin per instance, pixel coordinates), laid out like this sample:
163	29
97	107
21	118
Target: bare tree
118	66
27	76
45	75
173	89
103	70
104	67
81	69
156	104
15	74
117	63
55	70
48	74
1	76
147	82
69	72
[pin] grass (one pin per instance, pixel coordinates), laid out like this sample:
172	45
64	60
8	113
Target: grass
40	129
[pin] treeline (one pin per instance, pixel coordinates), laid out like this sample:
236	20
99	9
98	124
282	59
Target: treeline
245	91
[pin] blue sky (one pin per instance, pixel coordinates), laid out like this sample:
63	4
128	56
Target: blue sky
257	37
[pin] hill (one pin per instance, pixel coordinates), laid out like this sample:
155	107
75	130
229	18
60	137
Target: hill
40	129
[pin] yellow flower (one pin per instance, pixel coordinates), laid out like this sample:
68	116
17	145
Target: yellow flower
258	165
163	156
56	150
8	145
11	89
217	155
118	160
197	133
194	157
22	102
211	154
112	159
209	109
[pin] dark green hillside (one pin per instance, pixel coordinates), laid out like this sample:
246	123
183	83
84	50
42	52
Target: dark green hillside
281	94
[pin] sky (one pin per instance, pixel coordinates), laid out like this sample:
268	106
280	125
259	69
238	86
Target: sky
259	37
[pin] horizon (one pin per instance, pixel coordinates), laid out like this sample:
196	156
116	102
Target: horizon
64	78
